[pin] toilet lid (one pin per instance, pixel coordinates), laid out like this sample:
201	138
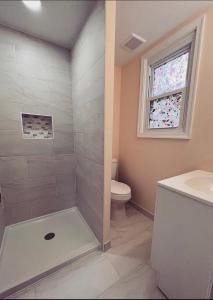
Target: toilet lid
119	188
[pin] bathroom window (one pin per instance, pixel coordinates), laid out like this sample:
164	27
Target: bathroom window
168	86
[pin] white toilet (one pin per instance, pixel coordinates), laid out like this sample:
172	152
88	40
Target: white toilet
120	194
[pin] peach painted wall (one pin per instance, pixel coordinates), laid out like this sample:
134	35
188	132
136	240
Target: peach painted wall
110	16
145	161
116	112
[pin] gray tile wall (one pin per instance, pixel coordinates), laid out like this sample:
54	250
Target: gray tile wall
36	176
87	72
2	223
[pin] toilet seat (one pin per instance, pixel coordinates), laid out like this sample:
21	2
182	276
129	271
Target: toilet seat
120	191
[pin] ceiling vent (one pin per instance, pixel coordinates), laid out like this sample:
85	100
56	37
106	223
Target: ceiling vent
133	42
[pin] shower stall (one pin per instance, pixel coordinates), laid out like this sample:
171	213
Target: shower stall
51	151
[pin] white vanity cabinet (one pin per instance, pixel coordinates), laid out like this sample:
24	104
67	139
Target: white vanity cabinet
182	248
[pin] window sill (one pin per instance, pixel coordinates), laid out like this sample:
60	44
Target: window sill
164	136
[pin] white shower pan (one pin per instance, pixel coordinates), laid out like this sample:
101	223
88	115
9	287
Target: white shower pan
26	256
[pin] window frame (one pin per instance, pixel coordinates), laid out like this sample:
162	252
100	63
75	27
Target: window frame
187	48
189	35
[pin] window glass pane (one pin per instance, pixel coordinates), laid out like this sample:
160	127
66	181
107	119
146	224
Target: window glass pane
171	75
165	112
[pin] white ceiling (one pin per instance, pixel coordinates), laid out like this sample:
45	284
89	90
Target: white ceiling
58	22
151	20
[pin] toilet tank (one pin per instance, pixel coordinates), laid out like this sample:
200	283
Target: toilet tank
114	168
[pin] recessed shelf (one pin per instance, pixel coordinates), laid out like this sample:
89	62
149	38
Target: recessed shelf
36	126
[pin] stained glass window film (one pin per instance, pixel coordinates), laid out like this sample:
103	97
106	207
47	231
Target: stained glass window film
171	75
165	112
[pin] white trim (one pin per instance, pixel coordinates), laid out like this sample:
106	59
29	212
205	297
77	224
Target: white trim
184	35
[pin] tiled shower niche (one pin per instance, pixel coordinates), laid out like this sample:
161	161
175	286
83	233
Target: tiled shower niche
37	126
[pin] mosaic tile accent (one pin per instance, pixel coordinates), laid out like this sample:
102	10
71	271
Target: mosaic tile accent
37	127
165	112
171	75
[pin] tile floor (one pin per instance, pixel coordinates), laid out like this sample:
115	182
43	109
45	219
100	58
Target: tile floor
124	272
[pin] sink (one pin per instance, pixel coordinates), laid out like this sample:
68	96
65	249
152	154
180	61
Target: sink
197	184
203	184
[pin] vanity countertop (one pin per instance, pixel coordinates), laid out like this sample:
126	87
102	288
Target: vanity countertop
197	184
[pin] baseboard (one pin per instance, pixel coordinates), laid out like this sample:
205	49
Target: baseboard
106	246
142	210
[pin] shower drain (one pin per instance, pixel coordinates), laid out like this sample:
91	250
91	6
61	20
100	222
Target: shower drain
49	236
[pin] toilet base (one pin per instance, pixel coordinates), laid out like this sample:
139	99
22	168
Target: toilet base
118	211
